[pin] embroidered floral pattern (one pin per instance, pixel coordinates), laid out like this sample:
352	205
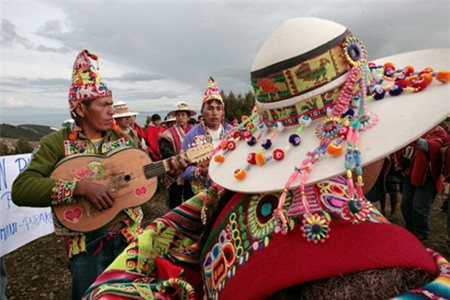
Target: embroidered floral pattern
316	227
248	229
63	192
260	216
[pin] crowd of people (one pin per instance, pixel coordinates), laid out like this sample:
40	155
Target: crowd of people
250	224
413	177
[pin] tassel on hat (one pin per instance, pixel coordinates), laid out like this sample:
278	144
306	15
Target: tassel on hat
87	84
212	92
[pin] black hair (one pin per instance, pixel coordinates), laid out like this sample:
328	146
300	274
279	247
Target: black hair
156	117
87	103
188	113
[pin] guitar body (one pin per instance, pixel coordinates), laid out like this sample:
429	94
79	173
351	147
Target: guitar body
121	169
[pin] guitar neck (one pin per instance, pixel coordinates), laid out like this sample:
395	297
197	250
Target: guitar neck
158	168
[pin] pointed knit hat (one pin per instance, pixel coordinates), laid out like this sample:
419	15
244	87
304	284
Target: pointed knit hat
87	84
212	92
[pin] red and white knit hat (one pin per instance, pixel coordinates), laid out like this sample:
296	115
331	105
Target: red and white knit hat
87	84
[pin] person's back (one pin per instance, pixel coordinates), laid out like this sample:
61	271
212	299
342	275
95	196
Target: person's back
151	136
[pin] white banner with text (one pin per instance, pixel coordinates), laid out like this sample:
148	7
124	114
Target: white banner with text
19	225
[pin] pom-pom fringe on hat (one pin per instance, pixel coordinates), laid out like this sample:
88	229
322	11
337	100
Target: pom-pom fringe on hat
314	71
293	219
87	84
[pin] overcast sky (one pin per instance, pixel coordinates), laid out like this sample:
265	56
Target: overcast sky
156	53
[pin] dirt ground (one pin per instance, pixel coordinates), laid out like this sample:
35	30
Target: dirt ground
39	270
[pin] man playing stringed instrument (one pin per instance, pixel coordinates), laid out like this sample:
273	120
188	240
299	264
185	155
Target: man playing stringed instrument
91	107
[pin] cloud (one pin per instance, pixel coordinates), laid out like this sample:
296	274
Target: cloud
11	102
10	37
134	77
154	54
43	48
53	29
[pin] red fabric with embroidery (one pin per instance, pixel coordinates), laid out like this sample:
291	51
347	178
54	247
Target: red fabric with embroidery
290	260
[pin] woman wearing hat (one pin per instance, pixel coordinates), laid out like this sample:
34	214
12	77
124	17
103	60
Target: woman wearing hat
125	120
169	121
170	142
283	221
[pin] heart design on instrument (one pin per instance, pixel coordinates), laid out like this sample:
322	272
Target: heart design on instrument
83	173
73	215
140	192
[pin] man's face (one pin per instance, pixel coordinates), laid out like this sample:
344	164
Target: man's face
157	123
182	118
213	114
125	122
98	115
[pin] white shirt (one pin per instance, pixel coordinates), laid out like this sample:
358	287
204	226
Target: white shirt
216	135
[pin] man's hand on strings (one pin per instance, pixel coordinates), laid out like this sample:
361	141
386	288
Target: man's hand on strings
100	196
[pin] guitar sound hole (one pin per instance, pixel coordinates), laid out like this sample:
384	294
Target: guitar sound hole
127	178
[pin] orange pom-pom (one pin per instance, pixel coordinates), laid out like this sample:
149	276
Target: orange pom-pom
388	65
116	127
73	137
443	76
260	159
240	174
223	145
219	158
334	150
244	118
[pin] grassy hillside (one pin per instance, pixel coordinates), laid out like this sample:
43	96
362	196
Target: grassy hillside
29	132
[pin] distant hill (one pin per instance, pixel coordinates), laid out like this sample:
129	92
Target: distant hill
29	132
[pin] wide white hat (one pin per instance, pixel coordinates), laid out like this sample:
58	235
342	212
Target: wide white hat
307	70
169	119
182	106
121	110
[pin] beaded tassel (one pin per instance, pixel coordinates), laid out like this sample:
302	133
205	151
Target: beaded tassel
303	170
